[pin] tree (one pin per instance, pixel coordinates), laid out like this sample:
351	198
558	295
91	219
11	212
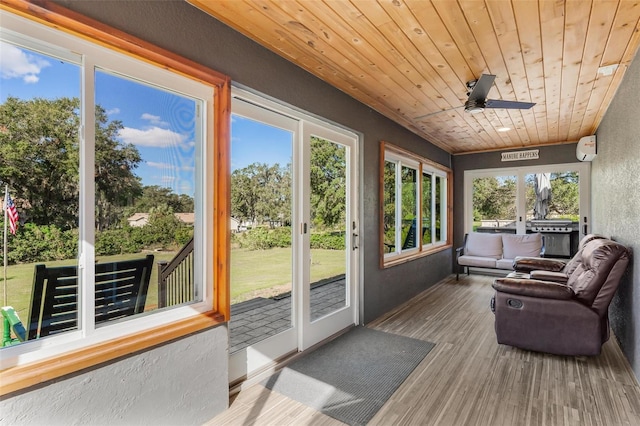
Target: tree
261	193
116	184
328	183
494	198
39	159
566	195
154	195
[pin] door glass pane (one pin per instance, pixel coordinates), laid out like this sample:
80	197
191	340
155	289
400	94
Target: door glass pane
427	205
553	196
409	207
39	163
494	204
330	232
553	208
389	206
261	232
145	164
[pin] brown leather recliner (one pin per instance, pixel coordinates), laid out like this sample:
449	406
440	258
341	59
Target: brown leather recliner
557	307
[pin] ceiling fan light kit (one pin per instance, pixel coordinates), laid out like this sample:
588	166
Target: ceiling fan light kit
474	107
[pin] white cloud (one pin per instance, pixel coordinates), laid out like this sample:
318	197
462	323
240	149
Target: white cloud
154	119
16	63
113	111
153	137
159	165
167	166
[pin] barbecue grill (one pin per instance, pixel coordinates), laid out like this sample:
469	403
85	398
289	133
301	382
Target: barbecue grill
557	236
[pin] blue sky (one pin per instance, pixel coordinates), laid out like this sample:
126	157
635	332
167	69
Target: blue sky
159	123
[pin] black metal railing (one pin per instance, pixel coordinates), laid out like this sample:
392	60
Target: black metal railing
175	278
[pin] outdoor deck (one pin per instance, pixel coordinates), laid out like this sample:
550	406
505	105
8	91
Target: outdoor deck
256	319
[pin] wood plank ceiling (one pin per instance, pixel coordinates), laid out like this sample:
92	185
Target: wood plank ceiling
410	60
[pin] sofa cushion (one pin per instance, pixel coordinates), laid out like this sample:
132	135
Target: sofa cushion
484	245
479	261
504	264
528	245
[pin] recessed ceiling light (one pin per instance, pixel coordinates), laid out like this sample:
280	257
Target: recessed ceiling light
504	129
608	70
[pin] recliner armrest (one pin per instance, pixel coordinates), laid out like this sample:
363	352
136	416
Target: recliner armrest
556	277
533	288
528	264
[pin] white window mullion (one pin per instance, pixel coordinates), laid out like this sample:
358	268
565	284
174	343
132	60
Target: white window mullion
433	209
86	288
443	209
398	235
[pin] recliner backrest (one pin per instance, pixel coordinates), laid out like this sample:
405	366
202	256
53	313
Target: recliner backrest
600	266
577	258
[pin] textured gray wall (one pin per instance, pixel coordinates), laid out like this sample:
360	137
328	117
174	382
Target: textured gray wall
126	391
615	180
181	383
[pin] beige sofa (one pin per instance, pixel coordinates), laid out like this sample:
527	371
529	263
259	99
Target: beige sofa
497	251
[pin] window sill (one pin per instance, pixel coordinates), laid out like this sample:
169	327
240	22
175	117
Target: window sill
24	376
400	259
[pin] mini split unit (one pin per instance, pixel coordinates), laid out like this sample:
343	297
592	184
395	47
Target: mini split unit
586	149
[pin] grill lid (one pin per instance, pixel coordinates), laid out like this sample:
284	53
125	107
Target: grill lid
551	223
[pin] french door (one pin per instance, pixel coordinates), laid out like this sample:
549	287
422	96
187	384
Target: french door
510	199
294	233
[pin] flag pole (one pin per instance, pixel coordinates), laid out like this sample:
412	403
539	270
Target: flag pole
4	208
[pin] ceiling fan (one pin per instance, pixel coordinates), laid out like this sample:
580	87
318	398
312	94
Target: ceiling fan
477	91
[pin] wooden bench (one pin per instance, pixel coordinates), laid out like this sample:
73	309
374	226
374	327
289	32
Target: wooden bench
120	291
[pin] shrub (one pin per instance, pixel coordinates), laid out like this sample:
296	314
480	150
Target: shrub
328	241
264	238
33	243
116	241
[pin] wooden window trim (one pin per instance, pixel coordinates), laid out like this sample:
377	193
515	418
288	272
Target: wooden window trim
50	14
421	252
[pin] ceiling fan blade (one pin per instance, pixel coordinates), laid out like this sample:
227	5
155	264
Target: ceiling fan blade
482	87
436	112
494	103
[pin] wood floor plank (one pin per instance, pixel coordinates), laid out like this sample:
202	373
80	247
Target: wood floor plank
468	379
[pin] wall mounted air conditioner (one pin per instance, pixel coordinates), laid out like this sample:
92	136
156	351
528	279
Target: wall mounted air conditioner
586	149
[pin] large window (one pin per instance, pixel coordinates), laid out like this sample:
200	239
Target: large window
414	211
108	159
552	199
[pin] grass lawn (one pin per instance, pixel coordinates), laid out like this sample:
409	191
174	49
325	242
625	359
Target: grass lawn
253	273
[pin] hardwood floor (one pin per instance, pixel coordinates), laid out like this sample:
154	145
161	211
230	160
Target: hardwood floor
468	379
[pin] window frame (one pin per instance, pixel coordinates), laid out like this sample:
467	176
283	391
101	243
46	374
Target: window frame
423	166
29	364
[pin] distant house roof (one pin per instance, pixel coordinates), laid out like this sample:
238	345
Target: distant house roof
141	219
188	218
138	219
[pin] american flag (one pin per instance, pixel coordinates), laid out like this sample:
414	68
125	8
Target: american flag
12	213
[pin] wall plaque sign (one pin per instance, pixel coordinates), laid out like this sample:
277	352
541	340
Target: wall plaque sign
531	154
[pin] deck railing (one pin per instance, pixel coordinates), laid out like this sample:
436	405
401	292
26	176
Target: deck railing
175	278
